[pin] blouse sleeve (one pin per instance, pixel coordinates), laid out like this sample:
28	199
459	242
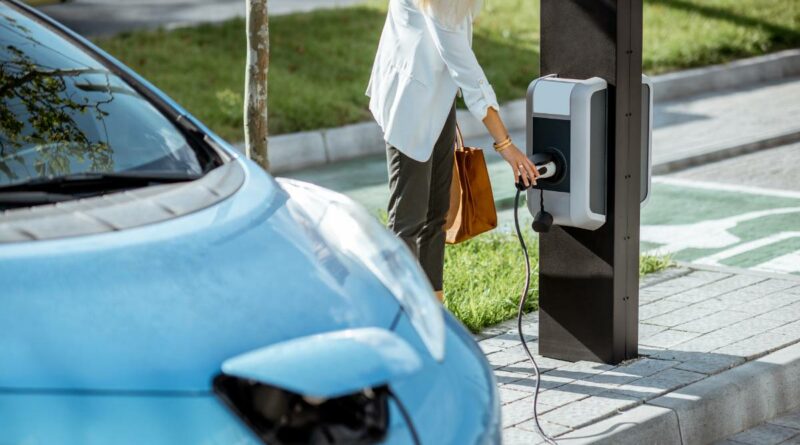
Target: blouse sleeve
454	48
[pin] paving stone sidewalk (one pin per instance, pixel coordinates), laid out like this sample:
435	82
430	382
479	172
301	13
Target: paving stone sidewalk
784	430
694	324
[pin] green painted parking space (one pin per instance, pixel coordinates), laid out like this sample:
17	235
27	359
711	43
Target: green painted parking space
727	225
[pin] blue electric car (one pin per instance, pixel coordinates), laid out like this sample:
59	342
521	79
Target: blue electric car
158	288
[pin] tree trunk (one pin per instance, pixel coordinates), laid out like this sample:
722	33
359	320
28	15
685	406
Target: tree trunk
255	90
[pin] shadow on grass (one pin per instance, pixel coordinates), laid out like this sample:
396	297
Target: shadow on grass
782	34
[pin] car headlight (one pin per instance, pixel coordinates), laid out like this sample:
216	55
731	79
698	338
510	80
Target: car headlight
352	231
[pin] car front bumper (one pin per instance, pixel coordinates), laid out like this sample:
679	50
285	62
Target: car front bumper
450	402
454	401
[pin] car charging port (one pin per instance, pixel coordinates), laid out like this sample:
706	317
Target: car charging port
281	417
551	167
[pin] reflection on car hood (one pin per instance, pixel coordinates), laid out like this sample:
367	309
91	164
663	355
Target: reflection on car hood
160	307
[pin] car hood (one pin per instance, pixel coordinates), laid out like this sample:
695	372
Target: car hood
160	307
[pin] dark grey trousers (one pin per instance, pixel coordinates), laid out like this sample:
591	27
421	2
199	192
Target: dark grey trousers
419	200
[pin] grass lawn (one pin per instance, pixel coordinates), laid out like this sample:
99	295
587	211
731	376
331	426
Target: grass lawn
321	61
484	277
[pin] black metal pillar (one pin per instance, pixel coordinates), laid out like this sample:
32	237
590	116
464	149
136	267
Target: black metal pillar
589	280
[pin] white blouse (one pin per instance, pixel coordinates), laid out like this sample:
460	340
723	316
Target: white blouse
420	66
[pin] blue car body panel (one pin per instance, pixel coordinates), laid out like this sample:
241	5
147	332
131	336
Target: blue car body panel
453	402
116	337
103	419
330	365
160	307
456	401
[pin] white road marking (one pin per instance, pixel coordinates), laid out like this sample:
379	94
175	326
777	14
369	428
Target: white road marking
789	263
712	234
713	260
715	234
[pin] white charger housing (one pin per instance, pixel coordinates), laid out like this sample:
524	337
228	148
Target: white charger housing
567	119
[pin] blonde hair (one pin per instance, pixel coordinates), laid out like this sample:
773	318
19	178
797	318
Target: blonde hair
450	12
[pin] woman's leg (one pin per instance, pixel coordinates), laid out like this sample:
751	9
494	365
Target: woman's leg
432	236
409	187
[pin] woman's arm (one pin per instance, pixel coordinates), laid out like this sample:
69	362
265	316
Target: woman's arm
520	164
453	46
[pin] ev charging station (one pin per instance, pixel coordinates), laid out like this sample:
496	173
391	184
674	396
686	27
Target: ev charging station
589	129
566	125
567	135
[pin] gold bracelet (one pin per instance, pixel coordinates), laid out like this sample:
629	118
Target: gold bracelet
500	146
503	144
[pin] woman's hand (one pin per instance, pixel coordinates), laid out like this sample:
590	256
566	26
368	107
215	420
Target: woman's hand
521	166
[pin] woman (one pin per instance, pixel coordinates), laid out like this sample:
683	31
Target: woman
424	58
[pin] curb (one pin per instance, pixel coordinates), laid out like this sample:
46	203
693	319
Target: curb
295	151
706	411
738	271
734	74
723	151
709	410
712	409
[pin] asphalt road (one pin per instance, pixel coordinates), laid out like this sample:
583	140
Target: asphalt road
778	168
107	17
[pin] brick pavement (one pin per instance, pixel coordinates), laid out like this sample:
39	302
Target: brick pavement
694	324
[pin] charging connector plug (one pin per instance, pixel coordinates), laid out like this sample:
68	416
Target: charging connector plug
542	221
547	168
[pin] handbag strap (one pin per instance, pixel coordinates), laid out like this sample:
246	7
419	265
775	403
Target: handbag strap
459	139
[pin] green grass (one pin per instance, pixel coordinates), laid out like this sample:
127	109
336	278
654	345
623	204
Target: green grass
320	61
484	277
654	263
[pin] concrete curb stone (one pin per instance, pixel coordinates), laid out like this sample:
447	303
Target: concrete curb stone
738	271
352	141
721	405
757	391
734	74
295	151
724	151
644	424
709	410
664	275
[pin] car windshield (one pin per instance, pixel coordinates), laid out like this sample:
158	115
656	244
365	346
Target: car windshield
62	112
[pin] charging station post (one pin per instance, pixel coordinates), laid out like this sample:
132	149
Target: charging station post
589	279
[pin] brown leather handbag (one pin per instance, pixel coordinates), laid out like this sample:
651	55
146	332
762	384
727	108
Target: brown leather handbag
472	210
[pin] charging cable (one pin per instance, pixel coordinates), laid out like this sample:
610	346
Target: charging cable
522	300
